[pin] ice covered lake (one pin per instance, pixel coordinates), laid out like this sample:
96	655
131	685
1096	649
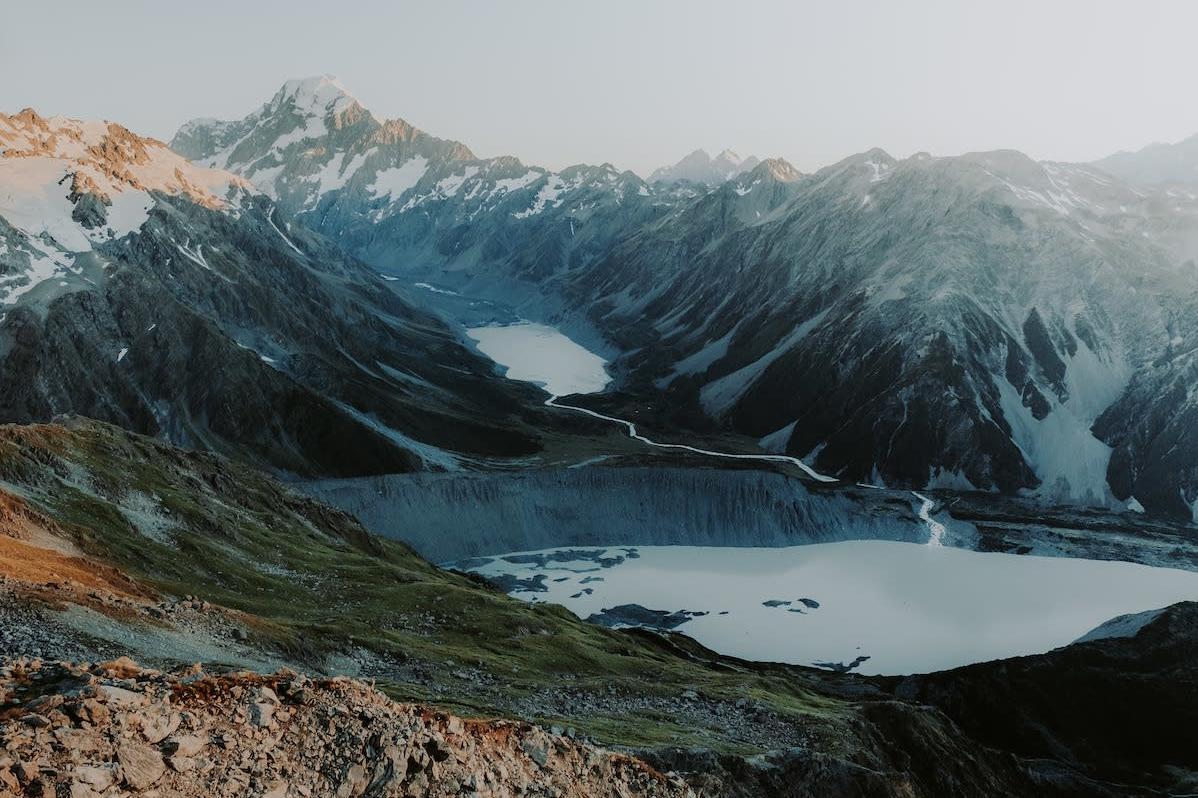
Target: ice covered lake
877	607
909	608
540	354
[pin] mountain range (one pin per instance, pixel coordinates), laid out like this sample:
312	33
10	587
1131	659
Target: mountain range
983	322
202	341
979	322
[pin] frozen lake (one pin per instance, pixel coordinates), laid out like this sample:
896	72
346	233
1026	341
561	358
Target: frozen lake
542	355
909	608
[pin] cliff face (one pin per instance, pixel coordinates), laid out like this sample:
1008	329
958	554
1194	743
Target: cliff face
463	515
448	517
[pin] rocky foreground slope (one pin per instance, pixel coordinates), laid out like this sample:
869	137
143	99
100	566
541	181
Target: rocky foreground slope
117	729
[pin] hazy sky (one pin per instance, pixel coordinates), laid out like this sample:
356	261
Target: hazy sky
638	82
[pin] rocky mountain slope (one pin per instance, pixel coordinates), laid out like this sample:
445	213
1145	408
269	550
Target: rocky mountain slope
116	726
114	544
174	300
1078	702
955	322
701	168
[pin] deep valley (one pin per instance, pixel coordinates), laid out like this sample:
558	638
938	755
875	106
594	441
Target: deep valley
336	459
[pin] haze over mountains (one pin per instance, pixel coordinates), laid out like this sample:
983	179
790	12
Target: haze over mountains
1156	164
699	167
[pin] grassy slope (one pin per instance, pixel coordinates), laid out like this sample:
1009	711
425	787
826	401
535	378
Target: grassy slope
320	584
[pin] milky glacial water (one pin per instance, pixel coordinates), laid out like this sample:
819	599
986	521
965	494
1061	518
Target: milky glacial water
540	354
908	607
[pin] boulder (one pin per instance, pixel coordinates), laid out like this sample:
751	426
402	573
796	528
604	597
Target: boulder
141	765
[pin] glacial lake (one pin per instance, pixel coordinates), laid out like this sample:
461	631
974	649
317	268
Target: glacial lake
910	608
540	354
877	607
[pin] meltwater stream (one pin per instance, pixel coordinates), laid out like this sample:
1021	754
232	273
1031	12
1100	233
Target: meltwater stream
873	606
541	354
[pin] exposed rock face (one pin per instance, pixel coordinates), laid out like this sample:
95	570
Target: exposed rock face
87	732
464	515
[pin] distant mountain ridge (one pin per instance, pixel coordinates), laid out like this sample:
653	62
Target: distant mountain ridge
967	322
699	167
1156	164
393	194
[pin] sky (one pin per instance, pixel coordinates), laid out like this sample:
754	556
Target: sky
639	83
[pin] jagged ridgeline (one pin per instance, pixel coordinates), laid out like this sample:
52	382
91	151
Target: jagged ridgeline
977	322
980	322
177	300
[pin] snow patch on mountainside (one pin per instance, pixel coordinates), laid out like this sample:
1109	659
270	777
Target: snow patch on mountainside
42	266
776	441
701	360
448	187
34	200
67	185
336	173
398	180
548	195
510	184
720	395
310	128
1070	462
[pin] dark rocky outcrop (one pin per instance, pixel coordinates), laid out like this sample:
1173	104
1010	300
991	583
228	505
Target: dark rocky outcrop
1119	708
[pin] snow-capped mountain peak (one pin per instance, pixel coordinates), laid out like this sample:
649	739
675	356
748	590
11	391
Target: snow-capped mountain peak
69	185
323	95
312	138
302	112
